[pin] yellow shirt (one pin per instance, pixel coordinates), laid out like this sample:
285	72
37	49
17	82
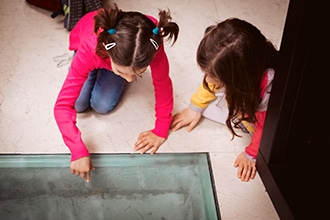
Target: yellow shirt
202	97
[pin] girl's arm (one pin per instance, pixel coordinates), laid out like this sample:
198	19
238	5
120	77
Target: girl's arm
253	147
190	116
163	93
201	98
64	111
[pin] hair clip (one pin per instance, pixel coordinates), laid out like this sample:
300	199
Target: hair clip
112	31
154	43
155	31
109	45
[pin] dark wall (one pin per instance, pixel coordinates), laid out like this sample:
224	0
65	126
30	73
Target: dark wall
294	157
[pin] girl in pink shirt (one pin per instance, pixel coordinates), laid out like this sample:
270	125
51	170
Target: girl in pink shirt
238	63
113	47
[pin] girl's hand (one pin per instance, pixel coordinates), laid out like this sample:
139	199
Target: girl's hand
148	140
82	168
186	117
246	168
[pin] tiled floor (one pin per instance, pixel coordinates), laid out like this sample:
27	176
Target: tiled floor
33	45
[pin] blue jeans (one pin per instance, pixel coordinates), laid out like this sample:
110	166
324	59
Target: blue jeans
101	91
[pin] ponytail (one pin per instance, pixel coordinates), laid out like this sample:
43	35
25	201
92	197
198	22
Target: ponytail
167	28
106	19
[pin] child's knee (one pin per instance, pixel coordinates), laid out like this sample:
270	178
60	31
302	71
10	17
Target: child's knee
102	108
81	107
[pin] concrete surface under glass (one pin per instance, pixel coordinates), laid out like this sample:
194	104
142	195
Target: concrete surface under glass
123	186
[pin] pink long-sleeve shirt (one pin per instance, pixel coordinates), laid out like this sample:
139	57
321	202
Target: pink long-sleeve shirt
84	40
253	148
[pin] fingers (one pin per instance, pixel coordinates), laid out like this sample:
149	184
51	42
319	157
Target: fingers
154	150
83	173
187	117
74	172
236	164
177	124
92	167
78	173
148	147
253	173
144	145
191	126
246	169
246	173
140	144
182	123
239	172
175	127
88	177
148	140
179	121
245	177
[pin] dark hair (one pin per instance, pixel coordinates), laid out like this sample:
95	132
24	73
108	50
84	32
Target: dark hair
132	37
236	53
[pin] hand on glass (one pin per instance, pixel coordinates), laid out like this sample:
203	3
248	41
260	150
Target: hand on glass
82	167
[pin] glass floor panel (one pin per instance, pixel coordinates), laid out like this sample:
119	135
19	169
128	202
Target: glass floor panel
123	186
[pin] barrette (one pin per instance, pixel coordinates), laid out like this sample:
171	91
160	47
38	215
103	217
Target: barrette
112	31
109	45
154	43
155	31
